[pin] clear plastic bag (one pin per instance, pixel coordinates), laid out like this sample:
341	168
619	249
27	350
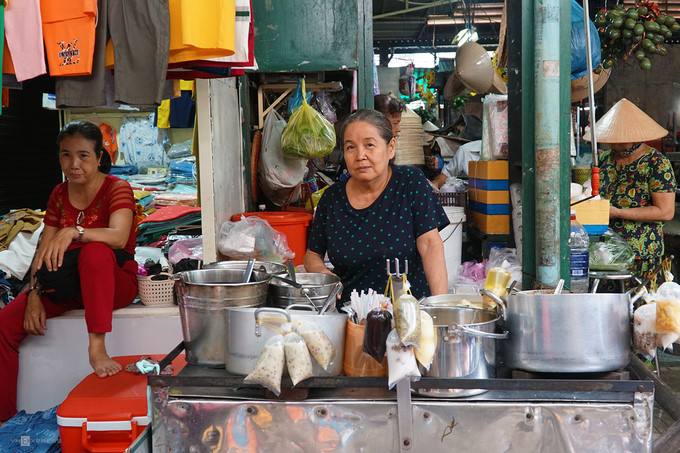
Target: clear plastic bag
269	367
644	331
253	237
298	361
407	319
318	343
378	326
308	134
427	343
401	361
186	248
611	253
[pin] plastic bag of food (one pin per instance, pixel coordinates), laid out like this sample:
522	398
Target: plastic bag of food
427	343
644	333
318	343
269	367
611	253
253	237
407	319
298	361
308	134
378	326
401	361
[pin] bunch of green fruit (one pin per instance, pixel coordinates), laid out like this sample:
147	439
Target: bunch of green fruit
634	32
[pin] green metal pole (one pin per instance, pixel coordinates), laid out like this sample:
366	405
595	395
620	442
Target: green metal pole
548	118
565	145
365	57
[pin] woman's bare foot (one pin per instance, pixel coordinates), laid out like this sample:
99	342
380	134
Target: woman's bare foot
100	361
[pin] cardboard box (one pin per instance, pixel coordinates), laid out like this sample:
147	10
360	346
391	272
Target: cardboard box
488	169
489	196
593	215
107	414
492	224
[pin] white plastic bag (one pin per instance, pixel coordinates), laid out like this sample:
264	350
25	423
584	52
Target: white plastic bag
278	174
269	367
401	361
495	127
427	343
298	361
407	319
186	248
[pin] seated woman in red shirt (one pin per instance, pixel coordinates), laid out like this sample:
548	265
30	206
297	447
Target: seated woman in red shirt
88	222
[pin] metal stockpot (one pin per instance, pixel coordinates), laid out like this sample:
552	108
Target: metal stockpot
567	333
248	329
317	286
268	267
466	347
203	296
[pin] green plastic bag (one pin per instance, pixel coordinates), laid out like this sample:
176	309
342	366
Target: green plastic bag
308	134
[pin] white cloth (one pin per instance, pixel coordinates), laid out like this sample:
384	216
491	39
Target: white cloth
16	260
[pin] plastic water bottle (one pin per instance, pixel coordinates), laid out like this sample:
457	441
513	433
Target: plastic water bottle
578	243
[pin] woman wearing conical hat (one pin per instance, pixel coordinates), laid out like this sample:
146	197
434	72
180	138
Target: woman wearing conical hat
637	180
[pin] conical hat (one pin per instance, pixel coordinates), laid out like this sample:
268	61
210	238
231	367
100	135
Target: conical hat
454	87
579	87
626	123
475	69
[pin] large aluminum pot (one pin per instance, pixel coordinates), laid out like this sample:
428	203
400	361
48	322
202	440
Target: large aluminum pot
316	286
203	296
249	328
567	333
268	267
466	347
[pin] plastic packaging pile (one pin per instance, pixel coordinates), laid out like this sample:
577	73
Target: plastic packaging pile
657	323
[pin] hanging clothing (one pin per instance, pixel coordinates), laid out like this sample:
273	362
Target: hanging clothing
140	35
109	140
23	32
69	30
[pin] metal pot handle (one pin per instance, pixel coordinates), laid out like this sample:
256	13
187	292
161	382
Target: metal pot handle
499	302
279	311
309	307
455	328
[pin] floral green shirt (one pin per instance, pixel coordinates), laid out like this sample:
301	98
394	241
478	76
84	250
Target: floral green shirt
631	186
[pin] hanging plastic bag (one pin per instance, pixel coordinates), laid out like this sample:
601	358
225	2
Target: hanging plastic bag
298	361
401	361
644	333
269	367
668	313
378	326
427	343
318	343
579	63
278	174
308	134
322	98
253	237
407	319
297	98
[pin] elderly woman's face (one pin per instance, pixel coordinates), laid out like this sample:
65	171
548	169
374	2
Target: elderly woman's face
395	120
618	147
367	155
78	160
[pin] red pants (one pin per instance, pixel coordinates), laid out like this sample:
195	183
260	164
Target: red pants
104	287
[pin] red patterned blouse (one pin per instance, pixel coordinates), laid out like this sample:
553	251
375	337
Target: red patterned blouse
114	194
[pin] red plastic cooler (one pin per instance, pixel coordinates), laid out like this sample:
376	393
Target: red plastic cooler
106	415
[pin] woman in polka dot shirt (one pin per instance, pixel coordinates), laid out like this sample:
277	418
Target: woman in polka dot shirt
382	212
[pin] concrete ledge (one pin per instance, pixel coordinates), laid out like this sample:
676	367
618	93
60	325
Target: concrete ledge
135	310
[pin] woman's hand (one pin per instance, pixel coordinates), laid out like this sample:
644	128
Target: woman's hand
314	263
52	253
34	316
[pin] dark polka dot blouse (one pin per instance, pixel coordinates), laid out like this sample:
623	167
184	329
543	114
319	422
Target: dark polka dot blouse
359	241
